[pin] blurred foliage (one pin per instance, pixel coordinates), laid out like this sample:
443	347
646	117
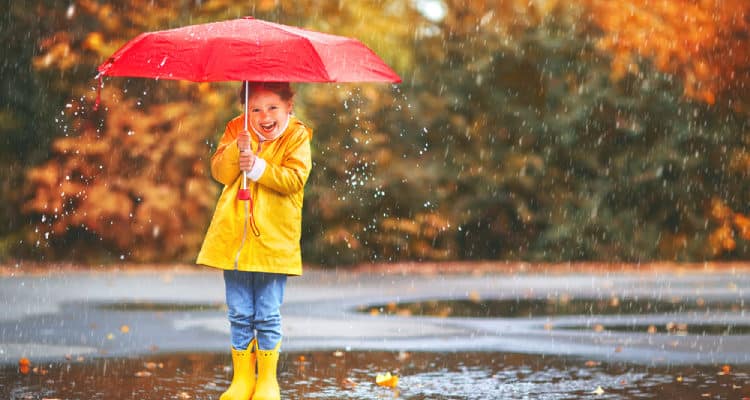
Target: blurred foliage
536	130
704	43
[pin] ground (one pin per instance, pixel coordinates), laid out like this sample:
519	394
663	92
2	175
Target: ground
63	313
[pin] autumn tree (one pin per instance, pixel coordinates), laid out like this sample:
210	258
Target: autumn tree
530	130
705	45
146	198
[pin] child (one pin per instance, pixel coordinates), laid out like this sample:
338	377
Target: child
257	242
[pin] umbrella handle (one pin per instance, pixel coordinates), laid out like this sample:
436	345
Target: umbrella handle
244	192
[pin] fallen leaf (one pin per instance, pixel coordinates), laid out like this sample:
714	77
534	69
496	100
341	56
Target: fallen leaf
348	383
725	370
110	336
40	371
143	374
124	329
591	363
150	365
403	356
183	395
652	329
679	379
387	380
301	358
338	353
598	391
24	365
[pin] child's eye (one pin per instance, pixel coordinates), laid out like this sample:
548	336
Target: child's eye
255	110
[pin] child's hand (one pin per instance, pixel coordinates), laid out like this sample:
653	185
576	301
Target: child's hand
243	141
247	158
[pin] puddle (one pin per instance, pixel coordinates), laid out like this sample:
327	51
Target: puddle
557	306
160	307
351	375
680	329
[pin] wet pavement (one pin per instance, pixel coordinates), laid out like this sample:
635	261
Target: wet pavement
350	375
127	313
342	328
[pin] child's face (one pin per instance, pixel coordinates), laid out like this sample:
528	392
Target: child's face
268	113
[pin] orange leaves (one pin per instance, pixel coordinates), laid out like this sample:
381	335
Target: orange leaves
150	367
387	380
694	40
742	224
140	184
56	53
24	365
730	225
95	42
419	236
722	239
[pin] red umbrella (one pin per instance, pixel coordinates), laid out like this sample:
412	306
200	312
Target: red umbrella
247	49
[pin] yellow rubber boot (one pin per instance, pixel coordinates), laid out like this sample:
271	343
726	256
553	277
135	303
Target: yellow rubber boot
267	387
243	380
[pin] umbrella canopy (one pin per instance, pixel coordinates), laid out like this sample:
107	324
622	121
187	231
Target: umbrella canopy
247	49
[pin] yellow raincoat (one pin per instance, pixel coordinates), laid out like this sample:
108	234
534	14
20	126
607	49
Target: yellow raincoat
276	198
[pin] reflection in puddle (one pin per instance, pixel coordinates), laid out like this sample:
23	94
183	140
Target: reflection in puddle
351	375
554	306
680	329
160	307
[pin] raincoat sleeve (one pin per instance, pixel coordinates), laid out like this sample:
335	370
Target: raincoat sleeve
225	163
290	176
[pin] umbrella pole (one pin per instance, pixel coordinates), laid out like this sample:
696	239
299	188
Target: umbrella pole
244	193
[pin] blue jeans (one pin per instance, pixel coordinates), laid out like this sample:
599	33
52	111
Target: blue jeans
253	300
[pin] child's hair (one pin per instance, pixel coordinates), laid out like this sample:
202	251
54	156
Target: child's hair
283	89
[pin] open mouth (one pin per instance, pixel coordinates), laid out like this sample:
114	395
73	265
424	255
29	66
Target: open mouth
268	127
